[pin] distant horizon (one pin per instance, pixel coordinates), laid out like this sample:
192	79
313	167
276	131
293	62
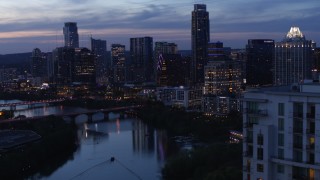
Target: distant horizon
25	26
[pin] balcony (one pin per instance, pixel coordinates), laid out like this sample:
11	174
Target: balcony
249	125
297	115
246	168
256	112
248	139
248	154
310	131
310	147
297	145
311	115
297	163
297	130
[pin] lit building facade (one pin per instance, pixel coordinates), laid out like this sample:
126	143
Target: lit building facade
118	63
99	49
181	97
200	36
222	87
293	58
281	129
71	37
260	61
83	67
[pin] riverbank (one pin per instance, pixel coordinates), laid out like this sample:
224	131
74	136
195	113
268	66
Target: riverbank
215	161
44	156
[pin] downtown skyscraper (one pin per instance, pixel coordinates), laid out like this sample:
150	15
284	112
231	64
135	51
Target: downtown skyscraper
293	58
142	65
200	32
71	37
99	49
260	61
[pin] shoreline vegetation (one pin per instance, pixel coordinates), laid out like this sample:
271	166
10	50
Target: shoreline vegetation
57	145
216	160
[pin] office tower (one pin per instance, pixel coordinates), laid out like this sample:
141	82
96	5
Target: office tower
71	37
316	57
39	64
83	67
118	63
162	51
62	58
200	32
281	129
216	51
260	59
293	58
142	65
99	49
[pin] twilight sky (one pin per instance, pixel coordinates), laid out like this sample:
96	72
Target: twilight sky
25	25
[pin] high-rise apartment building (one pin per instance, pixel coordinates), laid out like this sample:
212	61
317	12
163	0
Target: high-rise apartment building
222	82
293	58
118	63
200	36
281	132
142	65
71	37
260	61
99	49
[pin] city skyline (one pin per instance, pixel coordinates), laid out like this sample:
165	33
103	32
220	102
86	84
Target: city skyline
39	24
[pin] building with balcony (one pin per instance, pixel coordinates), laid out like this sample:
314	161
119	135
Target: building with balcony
180	97
281	132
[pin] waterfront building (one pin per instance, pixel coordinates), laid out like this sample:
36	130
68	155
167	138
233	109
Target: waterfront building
118	63
173	71
280	129
99	49
200	36
71	37
293	58
142	65
260	61
180	97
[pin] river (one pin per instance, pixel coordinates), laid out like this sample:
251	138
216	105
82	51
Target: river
117	149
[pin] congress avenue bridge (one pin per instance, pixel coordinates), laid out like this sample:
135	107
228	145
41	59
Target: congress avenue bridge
73	115
13	106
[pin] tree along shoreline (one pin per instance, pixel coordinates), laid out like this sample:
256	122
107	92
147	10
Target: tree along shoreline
57	145
218	160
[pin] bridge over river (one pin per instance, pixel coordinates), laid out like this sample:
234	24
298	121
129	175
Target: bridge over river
13	106
73	115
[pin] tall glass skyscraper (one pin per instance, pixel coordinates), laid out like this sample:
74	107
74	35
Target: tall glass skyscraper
99	49
141	52
260	59
118	63
71	37
200	32
293	58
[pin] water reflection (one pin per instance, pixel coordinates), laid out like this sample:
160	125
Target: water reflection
139	150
